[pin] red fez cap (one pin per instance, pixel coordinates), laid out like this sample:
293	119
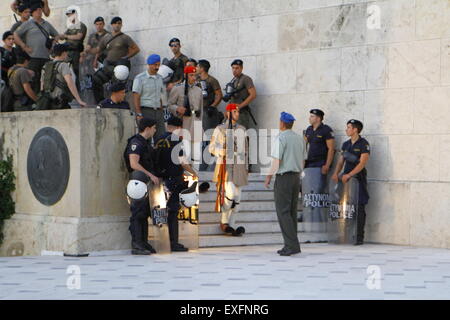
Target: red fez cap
190	69
232	107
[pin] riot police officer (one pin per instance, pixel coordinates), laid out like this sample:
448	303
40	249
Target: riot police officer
354	158
171	165
138	157
320	141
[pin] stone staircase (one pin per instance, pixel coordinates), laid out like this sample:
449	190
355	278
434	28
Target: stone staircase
257	214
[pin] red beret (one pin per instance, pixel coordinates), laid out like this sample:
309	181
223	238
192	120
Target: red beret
190	69
232	107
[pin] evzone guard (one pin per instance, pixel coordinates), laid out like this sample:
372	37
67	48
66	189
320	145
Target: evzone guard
229	145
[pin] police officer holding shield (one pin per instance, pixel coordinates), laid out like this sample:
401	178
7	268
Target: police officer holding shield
320	141
354	158
172	163
138	157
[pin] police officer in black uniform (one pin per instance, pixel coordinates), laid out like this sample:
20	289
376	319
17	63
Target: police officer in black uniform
138	157
172	171
321	142
117	100
354	158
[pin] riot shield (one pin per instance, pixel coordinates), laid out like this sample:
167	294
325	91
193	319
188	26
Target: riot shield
343	211
188	222
315	200
158	230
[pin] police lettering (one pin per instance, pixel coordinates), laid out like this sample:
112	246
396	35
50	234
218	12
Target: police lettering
316	200
342	211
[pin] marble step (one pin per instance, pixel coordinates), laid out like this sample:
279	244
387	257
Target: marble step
208	176
243	216
256	239
252	186
245	196
245	206
260	226
250	227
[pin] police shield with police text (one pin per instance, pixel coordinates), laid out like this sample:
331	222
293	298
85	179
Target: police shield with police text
172	163
320	142
354	158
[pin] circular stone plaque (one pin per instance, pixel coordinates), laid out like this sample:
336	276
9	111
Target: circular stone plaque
48	166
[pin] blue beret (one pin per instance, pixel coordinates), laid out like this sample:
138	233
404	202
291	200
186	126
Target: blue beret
154	58
287	117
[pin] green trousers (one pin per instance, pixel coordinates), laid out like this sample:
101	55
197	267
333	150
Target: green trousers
287	190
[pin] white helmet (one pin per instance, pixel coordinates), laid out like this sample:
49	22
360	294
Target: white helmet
121	72
137	186
189	197
165	72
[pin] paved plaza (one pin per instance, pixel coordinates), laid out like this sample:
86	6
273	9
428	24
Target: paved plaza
321	271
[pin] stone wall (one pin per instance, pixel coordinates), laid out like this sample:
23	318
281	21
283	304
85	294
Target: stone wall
93	213
330	54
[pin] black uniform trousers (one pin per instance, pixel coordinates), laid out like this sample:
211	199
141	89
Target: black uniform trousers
360	222
140	211
175	185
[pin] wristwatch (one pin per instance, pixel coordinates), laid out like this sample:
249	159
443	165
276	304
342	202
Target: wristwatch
139	114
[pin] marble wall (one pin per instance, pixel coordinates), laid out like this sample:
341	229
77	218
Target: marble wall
386	63
93	213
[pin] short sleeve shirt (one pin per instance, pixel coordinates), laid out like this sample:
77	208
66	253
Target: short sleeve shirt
32	35
242	85
288	147
151	90
20	77
212	85
64	69
178	64
83	30
317	140
139	146
358	148
95	38
117	48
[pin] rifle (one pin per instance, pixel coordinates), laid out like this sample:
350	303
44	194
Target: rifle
187	103
222	173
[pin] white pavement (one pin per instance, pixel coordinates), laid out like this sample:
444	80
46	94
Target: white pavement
321	271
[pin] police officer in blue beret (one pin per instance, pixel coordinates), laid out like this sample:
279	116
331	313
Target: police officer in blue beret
320	141
354	158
